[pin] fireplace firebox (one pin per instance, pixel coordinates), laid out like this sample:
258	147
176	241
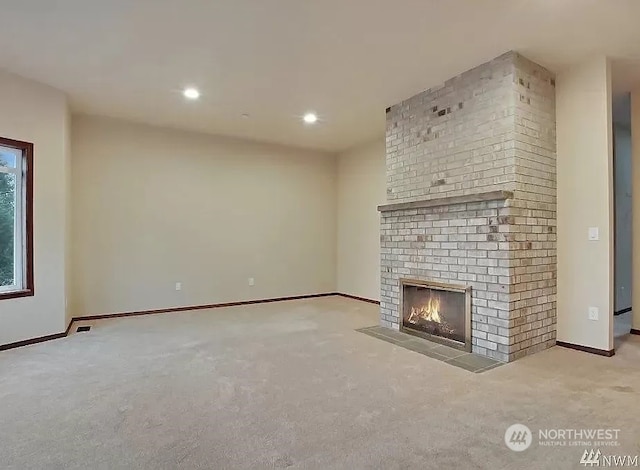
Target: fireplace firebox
437	311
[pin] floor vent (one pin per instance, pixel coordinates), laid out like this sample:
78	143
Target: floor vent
83	328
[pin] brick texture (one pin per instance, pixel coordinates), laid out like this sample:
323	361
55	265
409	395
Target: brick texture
490	128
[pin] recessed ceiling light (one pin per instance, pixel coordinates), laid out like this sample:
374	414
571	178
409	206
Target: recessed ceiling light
245	116
191	93
310	118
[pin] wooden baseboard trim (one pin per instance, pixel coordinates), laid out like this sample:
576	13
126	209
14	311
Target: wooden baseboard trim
635	332
41	339
587	349
355	297
68	330
172	310
198	307
27	342
624	310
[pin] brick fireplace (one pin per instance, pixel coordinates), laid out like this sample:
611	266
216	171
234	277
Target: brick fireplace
471	203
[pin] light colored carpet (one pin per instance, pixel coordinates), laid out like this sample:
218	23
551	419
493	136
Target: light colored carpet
291	384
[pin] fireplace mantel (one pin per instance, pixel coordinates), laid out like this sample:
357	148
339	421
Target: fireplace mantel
447	201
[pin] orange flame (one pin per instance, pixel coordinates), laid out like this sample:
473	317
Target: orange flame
428	312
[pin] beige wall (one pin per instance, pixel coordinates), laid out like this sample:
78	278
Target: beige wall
361	188
152	207
36	113
68	225
635	168
585	268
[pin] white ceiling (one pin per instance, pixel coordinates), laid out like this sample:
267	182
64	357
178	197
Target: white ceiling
276	59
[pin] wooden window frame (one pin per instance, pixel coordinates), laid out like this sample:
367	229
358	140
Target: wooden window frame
26	149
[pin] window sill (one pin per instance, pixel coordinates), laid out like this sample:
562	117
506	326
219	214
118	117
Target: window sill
15	294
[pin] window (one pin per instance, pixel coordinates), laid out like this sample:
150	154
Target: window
16	223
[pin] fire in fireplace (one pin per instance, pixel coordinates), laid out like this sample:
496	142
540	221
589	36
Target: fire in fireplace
437	311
